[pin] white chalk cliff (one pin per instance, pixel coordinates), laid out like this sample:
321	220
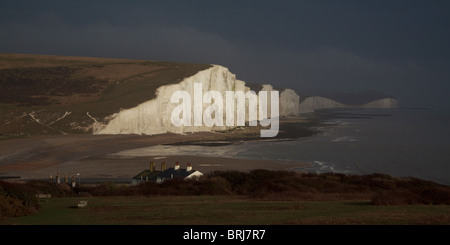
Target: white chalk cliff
154	116
289	103
382	103
314	103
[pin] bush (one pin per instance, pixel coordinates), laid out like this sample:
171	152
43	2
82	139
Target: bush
417	195
436	195
22	192
56	190
105	189
17	200
12	207
395	197
239	182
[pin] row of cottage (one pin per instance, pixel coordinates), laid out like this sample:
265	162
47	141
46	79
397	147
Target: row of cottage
159	176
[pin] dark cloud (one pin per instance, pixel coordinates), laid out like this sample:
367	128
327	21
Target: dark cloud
397	47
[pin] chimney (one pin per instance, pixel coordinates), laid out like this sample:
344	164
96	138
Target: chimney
58	181
189	167
177	166
163	166
152	166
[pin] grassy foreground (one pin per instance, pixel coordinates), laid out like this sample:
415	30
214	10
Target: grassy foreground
225	210
258	197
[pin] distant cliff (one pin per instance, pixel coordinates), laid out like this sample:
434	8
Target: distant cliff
382	103
314	103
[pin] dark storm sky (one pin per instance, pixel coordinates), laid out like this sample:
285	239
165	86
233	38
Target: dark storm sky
398	47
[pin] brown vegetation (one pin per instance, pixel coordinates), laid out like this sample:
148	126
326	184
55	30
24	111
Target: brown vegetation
43	86
286	185
17	200
20	199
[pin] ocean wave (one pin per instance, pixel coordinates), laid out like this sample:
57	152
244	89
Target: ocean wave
345	138
329	167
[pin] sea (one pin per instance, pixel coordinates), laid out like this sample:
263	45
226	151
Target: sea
404	142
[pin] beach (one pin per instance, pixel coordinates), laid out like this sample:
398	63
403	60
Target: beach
93	156
400	143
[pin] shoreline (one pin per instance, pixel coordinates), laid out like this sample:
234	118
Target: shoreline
38	157
92	155
120	170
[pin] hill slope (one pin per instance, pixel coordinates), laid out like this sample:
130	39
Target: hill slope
42	94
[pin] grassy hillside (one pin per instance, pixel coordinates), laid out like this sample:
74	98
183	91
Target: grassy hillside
36	91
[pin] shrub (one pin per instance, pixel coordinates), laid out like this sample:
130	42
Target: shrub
56	190
436	195
239	181
395	197
417	195
12	207
22	192
17	200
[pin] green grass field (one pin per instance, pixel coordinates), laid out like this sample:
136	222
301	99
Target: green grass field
225	210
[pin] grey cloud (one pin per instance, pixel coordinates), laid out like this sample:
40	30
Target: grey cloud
146	41
323	67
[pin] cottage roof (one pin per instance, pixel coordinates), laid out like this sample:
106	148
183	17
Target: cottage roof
172	173
151	175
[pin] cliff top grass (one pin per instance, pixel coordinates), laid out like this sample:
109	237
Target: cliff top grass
99	84
52	85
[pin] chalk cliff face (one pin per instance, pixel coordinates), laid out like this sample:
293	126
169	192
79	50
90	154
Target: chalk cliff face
382	103
154	116
313	103
289	103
